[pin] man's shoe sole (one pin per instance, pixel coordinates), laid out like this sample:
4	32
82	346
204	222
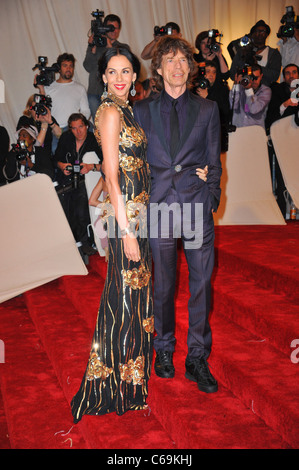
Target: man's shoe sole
202	388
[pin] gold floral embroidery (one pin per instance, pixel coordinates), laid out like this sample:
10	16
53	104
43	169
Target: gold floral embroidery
97	369
136	278
130	163
133	371
148	324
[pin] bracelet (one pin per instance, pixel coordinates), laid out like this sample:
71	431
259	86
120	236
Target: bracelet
126	231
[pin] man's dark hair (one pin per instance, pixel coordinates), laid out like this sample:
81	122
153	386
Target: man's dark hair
112	18
77	117
65	57
172	44
287	66
114	51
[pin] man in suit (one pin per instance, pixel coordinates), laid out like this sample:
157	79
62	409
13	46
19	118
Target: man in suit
194	121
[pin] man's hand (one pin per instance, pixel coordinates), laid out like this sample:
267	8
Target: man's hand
202	173
62	167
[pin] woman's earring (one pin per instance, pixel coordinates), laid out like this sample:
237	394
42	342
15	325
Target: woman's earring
105	94
133	91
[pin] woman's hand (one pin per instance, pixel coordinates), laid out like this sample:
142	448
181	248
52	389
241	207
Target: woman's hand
131	247
202	173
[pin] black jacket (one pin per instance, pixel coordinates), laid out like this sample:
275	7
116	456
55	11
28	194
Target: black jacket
66	153
43	164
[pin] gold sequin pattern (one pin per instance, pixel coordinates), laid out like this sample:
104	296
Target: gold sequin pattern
133	371
136	278
96	369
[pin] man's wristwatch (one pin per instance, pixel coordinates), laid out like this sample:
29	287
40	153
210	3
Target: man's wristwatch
94	167
126	231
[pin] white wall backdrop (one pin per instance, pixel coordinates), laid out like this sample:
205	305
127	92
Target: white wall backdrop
30	28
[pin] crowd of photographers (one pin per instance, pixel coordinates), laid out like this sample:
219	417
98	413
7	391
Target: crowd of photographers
56	128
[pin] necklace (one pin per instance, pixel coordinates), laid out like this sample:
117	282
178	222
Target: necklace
117	100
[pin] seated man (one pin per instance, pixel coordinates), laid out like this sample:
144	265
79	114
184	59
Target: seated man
281	104
249	99
72	146
25	159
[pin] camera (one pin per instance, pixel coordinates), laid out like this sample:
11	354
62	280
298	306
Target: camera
247	75
212	44
162	30
41	104
245	41
201	81
289	23
75	171
20	150
99	30
47	74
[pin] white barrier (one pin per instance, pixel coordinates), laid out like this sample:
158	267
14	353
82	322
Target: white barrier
37	244
285	137
247	197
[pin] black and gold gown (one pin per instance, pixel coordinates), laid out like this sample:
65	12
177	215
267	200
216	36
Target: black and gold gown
118	369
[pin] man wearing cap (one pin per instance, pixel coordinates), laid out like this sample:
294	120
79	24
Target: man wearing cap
36	159
258	53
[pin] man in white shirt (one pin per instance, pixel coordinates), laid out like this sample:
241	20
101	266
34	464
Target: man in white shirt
68	96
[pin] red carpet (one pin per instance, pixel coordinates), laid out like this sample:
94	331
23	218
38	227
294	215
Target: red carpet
47	334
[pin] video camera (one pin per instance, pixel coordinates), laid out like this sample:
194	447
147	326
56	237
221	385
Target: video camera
201	81
212	44
289	22
99	30
75	173
47	74
42	102
20	150
162	30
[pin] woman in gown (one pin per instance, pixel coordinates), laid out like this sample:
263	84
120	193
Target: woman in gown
118	369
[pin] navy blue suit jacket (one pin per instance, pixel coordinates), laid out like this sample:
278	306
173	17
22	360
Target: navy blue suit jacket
199	146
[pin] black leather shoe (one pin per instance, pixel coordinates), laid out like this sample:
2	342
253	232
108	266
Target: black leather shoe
198	371
163	364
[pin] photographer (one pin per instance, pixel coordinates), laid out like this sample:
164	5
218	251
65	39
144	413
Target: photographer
208	84
25	159
249	99
206	53
170	28
258	53
68	96
39	116
72	147
289	38
93	53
